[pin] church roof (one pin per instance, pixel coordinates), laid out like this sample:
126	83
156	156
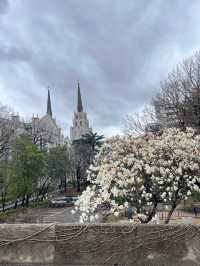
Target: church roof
49	109
79	102
48	121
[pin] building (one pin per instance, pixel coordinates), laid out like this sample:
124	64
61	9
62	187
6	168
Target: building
44	131
153	128
80	121
79	150
166	115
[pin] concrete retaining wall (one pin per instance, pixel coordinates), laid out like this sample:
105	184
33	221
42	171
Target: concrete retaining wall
103	244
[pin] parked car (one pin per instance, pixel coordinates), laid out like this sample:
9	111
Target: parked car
62	202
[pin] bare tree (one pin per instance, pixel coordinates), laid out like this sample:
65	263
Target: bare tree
41	137
140	122
6	130
178	102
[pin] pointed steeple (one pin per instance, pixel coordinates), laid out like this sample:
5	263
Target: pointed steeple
49	110
79	102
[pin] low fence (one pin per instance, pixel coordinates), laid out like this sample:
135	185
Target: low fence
102	244
11	205
178	214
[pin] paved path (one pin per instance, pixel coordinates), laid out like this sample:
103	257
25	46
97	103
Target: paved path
45	215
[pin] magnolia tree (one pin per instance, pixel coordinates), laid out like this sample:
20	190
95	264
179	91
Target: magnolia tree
142	172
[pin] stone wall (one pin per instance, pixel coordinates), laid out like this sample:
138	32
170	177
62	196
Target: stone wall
102	244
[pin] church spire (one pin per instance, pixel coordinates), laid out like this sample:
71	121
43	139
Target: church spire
79	103
49	110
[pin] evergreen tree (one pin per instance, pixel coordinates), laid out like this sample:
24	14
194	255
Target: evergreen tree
94	141
84	151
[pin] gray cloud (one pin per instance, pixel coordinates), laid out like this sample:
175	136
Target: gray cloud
119	52
13	54
3	6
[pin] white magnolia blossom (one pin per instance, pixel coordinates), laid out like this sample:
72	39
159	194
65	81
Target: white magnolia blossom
142	172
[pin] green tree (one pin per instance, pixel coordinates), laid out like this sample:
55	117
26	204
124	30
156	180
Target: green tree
5	173
59	165
28	164
81	160
84	150
94	141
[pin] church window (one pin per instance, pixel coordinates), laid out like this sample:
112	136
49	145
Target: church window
80	123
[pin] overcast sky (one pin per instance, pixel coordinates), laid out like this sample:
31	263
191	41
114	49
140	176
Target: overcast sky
119	50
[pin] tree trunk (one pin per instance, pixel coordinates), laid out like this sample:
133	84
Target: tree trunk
16	203
3	199
65	184
78	185
23	199
43	194
47	189
37	196
61	185
170	213
4	202
27	200
78	175
152	214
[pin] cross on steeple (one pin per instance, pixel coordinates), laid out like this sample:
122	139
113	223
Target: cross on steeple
79	102
49	110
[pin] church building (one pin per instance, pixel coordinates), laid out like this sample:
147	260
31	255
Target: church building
80	121
46	129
